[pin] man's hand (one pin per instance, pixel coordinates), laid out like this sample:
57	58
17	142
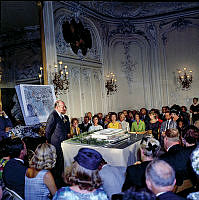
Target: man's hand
2	113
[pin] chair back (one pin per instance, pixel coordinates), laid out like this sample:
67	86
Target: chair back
11	195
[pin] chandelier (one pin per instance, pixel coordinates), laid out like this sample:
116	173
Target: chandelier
60	79
185	78
110	84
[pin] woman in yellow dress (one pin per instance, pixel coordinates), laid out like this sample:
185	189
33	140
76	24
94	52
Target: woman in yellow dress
114	123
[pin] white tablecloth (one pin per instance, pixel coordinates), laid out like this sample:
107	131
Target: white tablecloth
116	157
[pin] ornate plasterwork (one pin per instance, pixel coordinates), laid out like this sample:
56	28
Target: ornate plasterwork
151	32
178	24
126	28
134	10
128	66
64	48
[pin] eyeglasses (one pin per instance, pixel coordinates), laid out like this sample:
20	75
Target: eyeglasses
63	107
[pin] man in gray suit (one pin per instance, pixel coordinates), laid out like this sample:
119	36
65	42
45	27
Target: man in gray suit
169	123
112	178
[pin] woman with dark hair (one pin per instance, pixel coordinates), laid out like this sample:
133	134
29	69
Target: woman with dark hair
130	117
153	125
114	123
135	174
95	125
190	137
181	126
138	125
83	178
74	129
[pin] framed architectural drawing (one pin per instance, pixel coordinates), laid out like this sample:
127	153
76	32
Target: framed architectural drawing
36	101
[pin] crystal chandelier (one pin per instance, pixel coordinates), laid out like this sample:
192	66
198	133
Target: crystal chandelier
60	80
110	84
185	78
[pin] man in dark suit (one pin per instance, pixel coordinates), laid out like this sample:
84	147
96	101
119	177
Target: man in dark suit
14	171
177	156
172	141
160	179
5	124
84	126
57	129
167	124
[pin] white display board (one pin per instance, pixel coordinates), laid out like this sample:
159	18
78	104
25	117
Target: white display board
36	101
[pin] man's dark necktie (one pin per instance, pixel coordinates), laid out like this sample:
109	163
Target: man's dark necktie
167	126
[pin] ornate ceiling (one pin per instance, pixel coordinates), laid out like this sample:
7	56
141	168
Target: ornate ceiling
137	10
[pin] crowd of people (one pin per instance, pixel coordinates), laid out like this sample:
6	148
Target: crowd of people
168	158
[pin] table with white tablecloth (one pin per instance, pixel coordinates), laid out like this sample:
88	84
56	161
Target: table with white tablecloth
114	156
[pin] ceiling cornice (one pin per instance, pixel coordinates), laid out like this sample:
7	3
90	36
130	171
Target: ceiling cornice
87	11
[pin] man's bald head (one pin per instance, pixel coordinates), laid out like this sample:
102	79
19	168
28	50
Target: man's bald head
160	174
60	107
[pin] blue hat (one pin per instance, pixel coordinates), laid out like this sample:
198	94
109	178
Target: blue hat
88	158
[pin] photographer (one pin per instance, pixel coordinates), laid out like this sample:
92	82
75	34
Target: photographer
5	124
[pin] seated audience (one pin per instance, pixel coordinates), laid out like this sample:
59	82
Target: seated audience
195	166
144	115
125	114
125	125
153	124
112	177
100	117
95	125
4	158
164	110
175	116
149	148
138	125
83	176
5	124
39	182
14	171
160	179
106	121
74	129
167	124
185	115
130	118
84	126
181	127
114	123
196	124
4	154
89	115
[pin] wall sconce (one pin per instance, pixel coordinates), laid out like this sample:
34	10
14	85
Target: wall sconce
110	84
185	78
40	75
60	80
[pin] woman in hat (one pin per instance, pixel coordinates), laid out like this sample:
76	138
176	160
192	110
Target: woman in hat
83	178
